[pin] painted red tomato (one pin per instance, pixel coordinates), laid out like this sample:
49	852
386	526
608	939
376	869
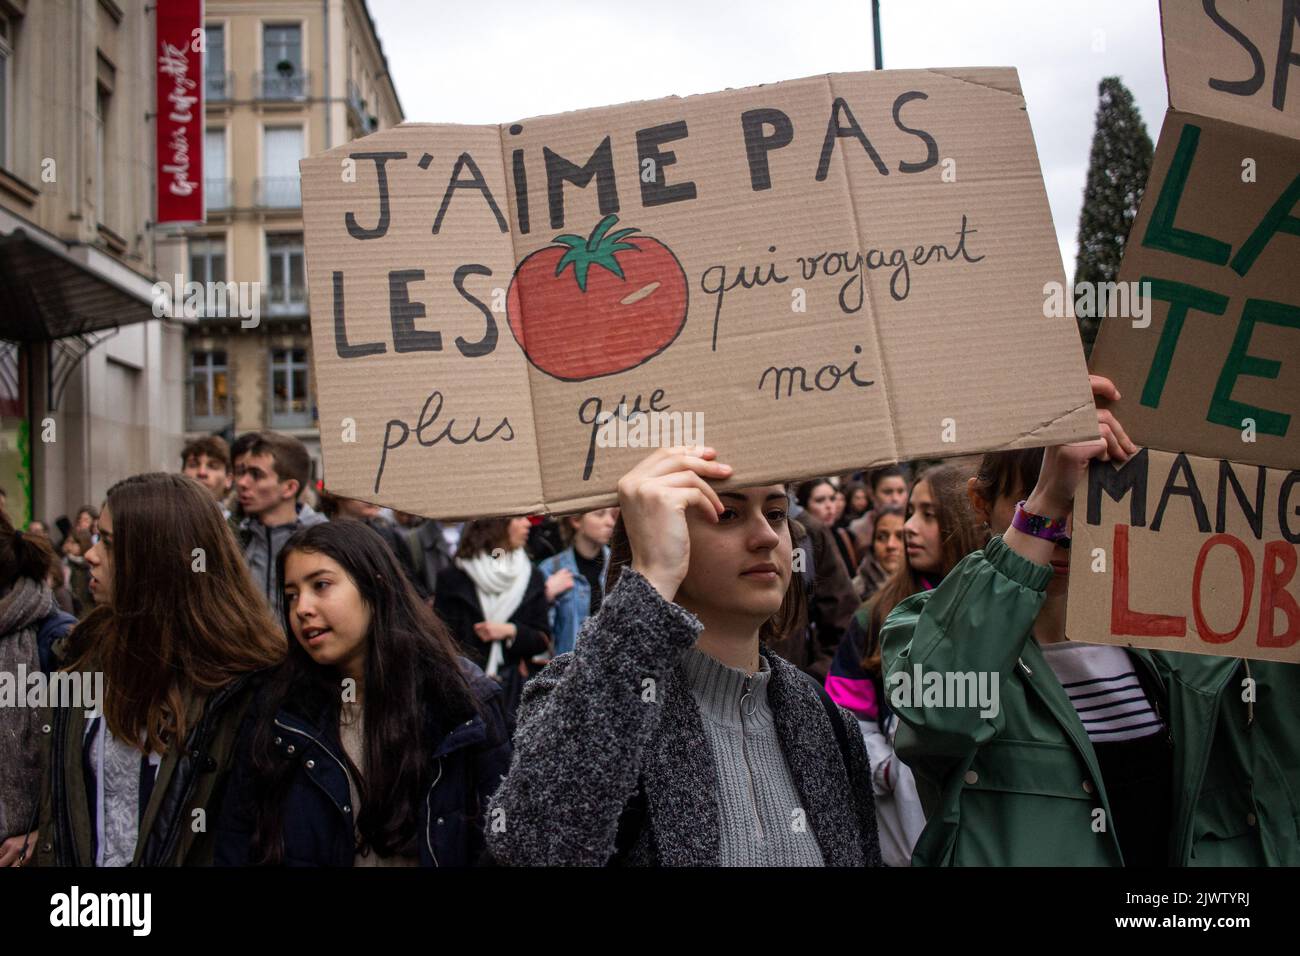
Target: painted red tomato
583	308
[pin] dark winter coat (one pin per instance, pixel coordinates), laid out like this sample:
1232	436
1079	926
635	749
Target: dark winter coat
317	819
456	602
430	552
189	778
831	603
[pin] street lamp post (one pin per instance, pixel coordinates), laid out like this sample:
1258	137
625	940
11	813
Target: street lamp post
875	31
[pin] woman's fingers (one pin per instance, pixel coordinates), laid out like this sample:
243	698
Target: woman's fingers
1118	444
1121	439
1115	451
686	466
664	461
650	464
12	848
1108	437
685	461
705	501
691	481
1103	387
1085	450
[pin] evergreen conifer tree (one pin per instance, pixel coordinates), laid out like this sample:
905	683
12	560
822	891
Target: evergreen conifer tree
1117	177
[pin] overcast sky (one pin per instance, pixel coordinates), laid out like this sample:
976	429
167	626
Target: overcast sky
490	61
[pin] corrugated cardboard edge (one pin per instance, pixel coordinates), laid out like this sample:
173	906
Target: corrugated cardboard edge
986	76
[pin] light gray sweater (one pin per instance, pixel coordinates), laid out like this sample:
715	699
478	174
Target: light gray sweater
762	821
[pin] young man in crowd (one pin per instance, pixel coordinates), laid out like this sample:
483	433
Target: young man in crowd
207	461
271	471
432	545
888	486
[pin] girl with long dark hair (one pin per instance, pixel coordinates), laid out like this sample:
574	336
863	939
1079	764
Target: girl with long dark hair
672	735
887	551
940	530
375	743
178	632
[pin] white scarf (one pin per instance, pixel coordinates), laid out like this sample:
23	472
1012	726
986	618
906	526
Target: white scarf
500	583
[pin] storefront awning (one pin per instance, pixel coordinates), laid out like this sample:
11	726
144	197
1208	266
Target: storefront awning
50	292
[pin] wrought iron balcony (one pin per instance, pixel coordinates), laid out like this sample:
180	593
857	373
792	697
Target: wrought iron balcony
278	192
219	87
282	86
219	194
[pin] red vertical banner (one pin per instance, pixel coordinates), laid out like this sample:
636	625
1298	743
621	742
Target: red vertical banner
178	129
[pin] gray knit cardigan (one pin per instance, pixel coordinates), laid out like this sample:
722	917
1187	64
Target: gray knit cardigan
618	709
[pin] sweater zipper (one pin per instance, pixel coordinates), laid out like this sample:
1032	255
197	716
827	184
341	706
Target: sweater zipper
744	751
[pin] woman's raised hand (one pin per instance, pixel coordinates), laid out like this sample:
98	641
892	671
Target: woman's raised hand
1118	444
1065	465
654	498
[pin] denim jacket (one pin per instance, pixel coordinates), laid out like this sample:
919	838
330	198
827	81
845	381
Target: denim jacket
572	607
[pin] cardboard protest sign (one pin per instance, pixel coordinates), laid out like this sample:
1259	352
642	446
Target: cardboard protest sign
1217	370
1213	371
1182	553
813	276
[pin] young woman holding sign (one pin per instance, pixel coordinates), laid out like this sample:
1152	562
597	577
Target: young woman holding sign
671	735
1099	755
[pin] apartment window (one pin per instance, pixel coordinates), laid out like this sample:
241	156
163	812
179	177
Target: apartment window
207	260
286	285
216	79
290	401
282	74
11	382
209	390
281	149
6	81
102	104
216	185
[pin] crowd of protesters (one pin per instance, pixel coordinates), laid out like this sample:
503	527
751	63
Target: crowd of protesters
693	677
